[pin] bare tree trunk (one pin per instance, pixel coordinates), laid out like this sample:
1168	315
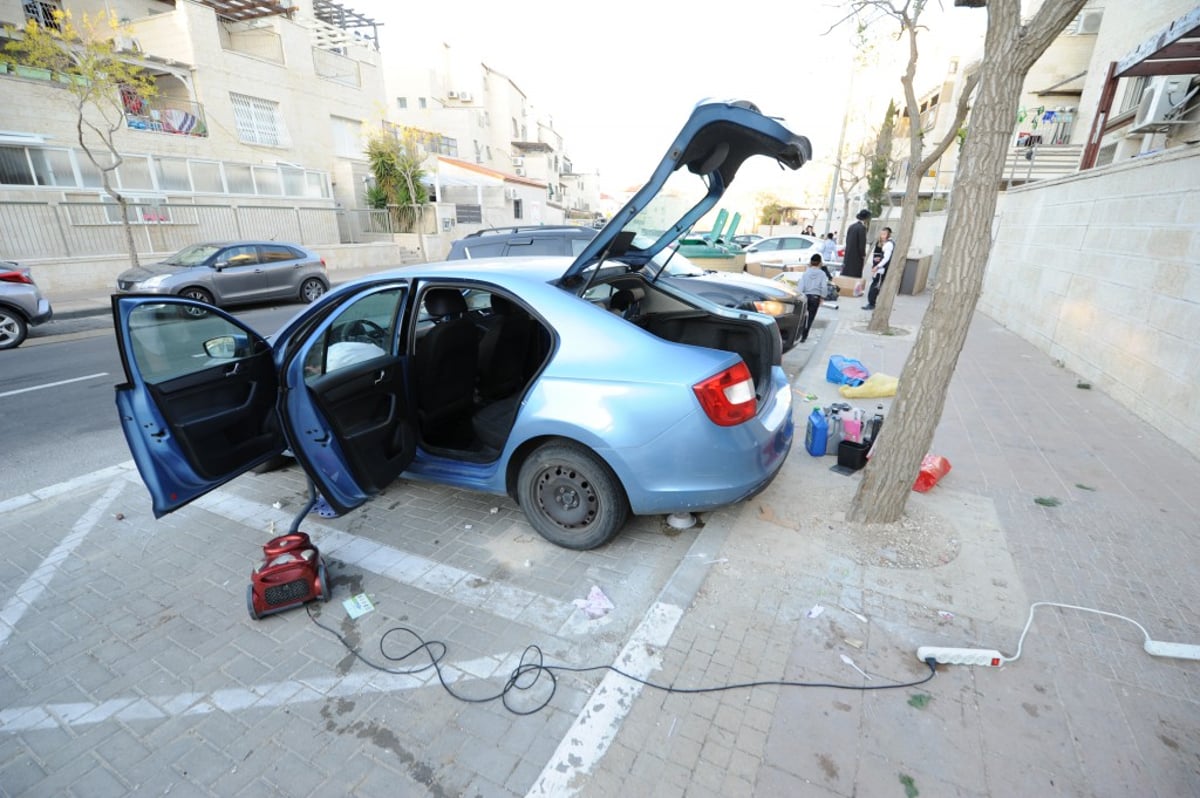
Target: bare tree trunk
1010	50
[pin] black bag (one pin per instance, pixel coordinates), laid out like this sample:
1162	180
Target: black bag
832	292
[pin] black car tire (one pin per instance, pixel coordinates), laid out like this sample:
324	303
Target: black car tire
13	329
196	295
571	497
311	290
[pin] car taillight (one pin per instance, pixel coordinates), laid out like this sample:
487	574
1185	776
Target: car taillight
323	266
15	277
728	397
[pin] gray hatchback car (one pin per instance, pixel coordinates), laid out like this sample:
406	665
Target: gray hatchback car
232	273
21	305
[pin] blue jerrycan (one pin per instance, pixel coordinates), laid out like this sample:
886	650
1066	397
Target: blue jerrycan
815	434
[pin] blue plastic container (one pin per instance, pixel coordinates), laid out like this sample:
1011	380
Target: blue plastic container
816	433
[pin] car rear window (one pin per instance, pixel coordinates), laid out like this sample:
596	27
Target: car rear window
489	249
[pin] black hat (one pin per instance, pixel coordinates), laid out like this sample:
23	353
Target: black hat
863	215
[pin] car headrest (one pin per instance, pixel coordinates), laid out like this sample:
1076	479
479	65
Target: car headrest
442	302
624	298
502	307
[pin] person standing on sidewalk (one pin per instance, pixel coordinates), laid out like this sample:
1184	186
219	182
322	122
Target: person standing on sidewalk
814	285
880	260
856	248
828	248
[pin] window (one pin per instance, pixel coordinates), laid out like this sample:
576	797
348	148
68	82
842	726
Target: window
258	121
517	208
172	174
42	13
266	181
135	173
14	167
365	329
1133	94
293	181
315	185
206	176
245	255
238	177
421	103
272	253
402	103
347	137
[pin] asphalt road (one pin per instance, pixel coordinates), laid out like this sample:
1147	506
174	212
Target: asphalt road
59	419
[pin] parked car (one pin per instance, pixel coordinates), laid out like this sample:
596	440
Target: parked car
587	389
772	255
746	239
732	289
21	305
233	273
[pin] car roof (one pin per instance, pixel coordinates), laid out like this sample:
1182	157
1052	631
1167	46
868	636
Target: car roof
533	228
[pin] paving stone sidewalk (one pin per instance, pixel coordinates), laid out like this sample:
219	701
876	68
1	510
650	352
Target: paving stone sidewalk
1083	712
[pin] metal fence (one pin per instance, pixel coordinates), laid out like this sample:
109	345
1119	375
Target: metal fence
78	229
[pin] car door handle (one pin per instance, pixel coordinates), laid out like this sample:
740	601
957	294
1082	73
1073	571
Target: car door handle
381	377
233	370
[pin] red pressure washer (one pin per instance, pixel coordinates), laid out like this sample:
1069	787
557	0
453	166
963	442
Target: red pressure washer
292	572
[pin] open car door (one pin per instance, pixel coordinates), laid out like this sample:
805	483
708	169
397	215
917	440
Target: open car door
202	402
198	403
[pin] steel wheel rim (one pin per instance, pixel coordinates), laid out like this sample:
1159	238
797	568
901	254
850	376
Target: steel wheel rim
566	496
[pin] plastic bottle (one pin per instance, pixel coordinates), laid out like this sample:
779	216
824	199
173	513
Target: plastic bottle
834	436
876	423
816	433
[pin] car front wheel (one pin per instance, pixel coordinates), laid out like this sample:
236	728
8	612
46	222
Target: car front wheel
311	290
571	497
196	295
13	329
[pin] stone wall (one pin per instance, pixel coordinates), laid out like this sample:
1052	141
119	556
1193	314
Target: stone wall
1101	271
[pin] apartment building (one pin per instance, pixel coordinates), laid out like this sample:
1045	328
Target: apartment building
258	105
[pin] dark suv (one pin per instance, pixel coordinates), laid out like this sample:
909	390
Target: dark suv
731	289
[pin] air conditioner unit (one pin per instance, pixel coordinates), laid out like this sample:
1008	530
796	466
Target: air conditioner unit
465	96
1089	22
1163	102
510	193
518	161
452	95
520	172
126	44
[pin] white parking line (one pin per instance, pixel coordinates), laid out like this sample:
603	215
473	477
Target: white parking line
261	696
464	587
53	384
32	588
82	482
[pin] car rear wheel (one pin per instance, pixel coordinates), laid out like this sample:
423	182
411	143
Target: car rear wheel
196	295
13	329
571	497
311	290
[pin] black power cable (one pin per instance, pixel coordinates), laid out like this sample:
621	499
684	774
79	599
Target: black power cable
532	667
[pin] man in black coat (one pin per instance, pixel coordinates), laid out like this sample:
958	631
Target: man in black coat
856	246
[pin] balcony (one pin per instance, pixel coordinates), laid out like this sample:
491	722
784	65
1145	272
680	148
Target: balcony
164	115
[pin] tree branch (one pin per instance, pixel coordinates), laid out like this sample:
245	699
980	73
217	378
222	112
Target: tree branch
1045	26
960	113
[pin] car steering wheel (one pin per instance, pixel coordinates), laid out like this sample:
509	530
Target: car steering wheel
364	331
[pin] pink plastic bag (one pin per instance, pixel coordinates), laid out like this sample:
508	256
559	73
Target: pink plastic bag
933	468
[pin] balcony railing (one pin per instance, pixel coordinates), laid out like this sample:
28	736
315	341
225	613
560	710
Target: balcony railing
165	115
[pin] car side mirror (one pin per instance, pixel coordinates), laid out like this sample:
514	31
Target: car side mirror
227	347
220	265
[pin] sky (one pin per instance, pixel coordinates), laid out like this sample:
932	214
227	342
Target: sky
619	79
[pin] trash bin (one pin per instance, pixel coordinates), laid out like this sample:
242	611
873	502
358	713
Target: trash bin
916	272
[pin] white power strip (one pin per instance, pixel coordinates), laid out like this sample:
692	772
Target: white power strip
1160	648
961	656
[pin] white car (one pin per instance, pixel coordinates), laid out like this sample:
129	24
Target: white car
776	254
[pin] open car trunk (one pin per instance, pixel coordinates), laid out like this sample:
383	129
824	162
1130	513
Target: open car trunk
754	339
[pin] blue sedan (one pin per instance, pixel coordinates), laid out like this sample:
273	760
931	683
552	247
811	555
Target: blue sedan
585	389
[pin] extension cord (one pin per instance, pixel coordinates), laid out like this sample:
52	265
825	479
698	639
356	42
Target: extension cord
961	656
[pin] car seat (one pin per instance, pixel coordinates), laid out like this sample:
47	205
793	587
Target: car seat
446	361
503	350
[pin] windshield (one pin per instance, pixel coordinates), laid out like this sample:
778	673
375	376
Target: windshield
192	256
